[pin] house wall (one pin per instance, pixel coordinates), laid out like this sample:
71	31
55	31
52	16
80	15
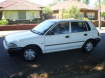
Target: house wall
84	12
88	13
55	14
14	15
32	15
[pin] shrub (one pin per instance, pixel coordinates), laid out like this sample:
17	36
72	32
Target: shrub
86	19
3	22
71	12
47	12
103	15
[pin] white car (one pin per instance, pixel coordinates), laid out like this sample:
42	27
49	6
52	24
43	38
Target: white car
54	35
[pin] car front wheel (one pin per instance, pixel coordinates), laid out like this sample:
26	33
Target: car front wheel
30	54
11	53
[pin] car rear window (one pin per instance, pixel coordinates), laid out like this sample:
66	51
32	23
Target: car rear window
79	26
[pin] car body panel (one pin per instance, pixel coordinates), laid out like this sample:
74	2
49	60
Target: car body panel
52	43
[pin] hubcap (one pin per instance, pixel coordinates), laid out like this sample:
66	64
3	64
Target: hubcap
89	46
29	54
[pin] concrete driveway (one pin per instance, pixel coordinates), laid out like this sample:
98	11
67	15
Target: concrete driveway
69	64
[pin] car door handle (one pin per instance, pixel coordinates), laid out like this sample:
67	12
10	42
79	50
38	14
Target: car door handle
67	36
85	34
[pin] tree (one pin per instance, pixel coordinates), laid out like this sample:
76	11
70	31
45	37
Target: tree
47	12
103	15
102	2
60	0
56	1
85	1
99	4
72	12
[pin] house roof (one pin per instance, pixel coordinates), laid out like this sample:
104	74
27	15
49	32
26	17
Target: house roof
19	5
71	3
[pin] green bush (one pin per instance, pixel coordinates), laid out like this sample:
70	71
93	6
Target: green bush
103	15
3	22
71	12
47	12
86	19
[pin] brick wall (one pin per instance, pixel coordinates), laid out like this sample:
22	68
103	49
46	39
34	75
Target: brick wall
17	27
30	26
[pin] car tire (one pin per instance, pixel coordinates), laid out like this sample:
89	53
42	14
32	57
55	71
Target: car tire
88	47
30	53
11	53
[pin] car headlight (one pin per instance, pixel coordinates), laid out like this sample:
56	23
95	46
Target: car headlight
12	45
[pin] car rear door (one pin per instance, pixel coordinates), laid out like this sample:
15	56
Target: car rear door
80	32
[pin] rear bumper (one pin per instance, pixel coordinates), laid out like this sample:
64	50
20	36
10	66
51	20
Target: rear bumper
97	40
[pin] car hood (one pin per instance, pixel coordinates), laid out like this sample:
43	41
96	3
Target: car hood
20	35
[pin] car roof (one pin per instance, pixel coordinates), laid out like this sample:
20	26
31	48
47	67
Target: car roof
71	20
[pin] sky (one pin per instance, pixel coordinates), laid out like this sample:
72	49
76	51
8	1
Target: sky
46	2
42	2
92	2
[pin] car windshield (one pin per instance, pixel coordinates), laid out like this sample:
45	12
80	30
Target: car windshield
43	27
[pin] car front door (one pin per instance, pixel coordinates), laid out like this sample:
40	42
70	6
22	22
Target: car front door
57	38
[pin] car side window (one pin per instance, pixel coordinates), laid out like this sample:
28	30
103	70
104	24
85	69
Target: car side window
78	27
60	28
88	26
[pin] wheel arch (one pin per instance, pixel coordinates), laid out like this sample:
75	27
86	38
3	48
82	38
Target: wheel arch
86	42
36	46
91	40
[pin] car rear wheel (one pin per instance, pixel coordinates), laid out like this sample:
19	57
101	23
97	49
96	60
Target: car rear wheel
88	47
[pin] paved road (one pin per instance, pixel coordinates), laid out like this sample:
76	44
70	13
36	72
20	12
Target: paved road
56	65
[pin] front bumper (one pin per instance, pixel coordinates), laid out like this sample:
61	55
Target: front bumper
18	49
15	50
5	45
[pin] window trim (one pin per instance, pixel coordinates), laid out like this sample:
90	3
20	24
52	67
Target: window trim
55	26
88	27
80	21
50	29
